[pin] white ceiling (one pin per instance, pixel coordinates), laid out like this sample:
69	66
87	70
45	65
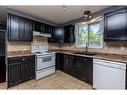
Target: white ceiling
55	14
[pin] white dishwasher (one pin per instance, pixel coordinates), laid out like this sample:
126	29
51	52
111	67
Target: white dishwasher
108	75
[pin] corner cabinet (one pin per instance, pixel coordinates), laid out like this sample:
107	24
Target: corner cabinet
76	66
19	28
20	69
69	34
62	34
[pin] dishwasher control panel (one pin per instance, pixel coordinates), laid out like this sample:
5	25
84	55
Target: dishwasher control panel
112	64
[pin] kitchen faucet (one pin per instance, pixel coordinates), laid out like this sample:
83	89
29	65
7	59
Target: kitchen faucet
86	47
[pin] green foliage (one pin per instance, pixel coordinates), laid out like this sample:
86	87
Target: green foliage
83	36
94	37
92	34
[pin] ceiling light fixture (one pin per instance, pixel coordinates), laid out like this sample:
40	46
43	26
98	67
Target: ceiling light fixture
64	7
87	15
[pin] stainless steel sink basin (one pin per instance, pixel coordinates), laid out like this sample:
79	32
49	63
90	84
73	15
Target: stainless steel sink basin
86	53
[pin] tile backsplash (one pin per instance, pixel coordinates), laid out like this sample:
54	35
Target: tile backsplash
109	47
25	46
18	46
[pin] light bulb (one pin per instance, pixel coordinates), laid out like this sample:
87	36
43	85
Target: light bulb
86	15
64	7
90	16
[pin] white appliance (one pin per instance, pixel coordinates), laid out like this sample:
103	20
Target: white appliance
45	61
109	75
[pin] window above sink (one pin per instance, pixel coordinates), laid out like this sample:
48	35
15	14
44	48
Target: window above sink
90	33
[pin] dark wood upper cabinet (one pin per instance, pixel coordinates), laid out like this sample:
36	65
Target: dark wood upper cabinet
63	34
19	28
59	35
45	28
69	34
40	27
115	27
28	30
13	28
52	38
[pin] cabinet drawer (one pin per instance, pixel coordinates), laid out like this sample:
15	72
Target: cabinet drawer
20	59
14	60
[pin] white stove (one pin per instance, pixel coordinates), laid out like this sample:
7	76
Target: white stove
43	53
45	61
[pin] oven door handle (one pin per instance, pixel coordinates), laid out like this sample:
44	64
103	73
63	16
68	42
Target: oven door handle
45	56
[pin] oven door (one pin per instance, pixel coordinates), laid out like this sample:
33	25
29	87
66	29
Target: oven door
45	61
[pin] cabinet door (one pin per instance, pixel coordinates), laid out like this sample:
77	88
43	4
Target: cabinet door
2	69
37	26
58	61
52	38
28	30
13	32
14	73
68	64
77	67
21	27
47	28
87	71
69	34
29	63
59	35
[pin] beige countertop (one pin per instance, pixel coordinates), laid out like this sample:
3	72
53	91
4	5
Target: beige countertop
104	56
19	54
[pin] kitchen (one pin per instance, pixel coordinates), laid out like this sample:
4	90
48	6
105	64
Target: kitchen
82	50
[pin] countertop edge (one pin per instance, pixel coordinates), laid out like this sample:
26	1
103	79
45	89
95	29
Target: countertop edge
96	57
12	56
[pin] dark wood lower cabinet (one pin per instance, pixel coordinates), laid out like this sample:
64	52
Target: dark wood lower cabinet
29	69
20	69
77	66
59	61
14	74
87	69
68	66
2	69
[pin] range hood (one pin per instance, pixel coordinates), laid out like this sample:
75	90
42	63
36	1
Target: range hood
41	34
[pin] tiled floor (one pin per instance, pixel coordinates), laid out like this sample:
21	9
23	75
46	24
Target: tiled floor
59	80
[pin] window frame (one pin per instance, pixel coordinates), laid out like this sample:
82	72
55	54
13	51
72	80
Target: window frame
77	35
77	25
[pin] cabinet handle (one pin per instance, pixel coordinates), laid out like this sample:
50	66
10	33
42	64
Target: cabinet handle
77	64
23	59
